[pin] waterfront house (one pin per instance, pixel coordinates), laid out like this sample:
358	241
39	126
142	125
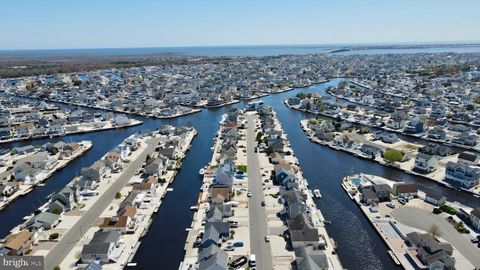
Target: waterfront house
370	150
113	161
63	201
369	197
212	258
123	224
310	258
434	198
284	176
220	194
462	174
18	244
102	248
414	126
405	190
7	189
225	175
215	233
42	221
302	233
26	172
6	133
169	152
134	199
475	218
437	133
430	252
466	138
97	172
425	163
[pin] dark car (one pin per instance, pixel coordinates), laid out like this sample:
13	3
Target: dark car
263	203
239	262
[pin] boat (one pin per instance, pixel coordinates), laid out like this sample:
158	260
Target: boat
202	171
194	208
41	184
317	194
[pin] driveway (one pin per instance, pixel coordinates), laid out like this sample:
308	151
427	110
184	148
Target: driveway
423	220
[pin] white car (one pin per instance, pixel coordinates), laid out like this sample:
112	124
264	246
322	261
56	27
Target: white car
267	238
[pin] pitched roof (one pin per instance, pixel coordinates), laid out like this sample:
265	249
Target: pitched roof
16	241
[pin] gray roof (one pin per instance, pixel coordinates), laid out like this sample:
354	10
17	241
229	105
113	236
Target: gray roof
105	237
217	260
309	258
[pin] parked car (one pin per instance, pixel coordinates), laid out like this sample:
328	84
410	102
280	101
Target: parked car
238	244
263	203
249	194
391	205
229	248
267	238
252	260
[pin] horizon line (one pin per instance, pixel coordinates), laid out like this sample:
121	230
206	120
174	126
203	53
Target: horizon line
418	43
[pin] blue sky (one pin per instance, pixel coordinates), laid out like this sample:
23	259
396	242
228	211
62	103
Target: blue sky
56	24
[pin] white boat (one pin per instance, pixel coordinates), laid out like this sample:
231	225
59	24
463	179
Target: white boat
41	184
317	194
194	208
202	171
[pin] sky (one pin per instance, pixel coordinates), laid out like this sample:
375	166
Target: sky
66	24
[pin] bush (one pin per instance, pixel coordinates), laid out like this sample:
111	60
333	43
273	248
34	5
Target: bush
392	156
54	236
118	195
448	209
436	211
13	152
364	130
56	268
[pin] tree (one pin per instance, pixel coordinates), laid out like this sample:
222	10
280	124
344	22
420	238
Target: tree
56	268
392	156
434	230
118	195
470	107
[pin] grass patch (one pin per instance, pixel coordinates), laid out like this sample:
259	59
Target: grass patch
242	168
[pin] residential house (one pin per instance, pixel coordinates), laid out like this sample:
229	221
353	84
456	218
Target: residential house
102	247
475	218
220	194
434	198
310	258
157	166
97	172
63	201
42	221
405	190
302	232
431	253
414	126
18	244
212	258
425	163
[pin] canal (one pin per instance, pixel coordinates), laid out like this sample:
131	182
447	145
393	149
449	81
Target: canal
359	247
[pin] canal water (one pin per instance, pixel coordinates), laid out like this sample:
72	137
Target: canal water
359	247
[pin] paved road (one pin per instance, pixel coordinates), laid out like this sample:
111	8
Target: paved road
257	214
70	239
421	219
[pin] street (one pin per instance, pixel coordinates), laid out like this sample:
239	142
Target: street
258	222
68	241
